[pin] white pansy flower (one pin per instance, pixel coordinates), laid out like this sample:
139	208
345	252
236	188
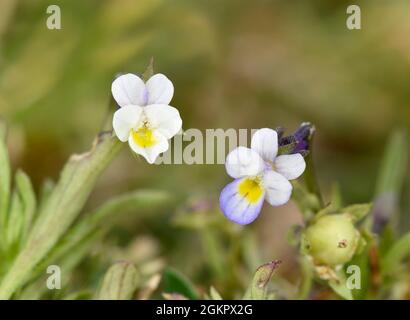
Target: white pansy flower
145	118
259	175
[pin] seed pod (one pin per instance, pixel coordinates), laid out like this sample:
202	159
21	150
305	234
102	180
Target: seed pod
331	240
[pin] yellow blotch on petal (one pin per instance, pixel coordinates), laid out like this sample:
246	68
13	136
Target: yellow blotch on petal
144	137
251	190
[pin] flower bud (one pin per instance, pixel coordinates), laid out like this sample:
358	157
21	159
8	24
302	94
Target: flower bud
331	240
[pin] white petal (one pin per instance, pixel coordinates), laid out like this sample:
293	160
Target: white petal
242	162
150	153
160	89
291	166
129	89
165	119
265	142
278	188
124	120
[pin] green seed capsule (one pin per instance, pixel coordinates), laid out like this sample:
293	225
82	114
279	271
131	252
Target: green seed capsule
331	240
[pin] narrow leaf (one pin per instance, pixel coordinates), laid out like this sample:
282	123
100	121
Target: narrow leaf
63	206
120	282
4	179
28	199
175	282
390	181
357	211
214	294
339	286
136	202
395	256
258	289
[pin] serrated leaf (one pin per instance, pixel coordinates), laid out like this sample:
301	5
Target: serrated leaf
120	282
175	282
258	289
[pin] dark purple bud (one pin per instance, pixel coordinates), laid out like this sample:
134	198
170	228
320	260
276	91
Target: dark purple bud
299	141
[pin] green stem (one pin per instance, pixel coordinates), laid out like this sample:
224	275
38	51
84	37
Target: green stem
307	279
310	176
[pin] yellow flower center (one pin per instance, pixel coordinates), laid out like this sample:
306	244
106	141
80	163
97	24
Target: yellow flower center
251	189
144	137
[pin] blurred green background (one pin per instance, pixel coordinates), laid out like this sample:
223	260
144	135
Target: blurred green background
234	64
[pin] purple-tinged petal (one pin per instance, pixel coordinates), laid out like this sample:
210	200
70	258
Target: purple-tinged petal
241	202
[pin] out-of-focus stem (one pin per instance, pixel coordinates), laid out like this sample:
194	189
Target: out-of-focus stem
307	279
310	175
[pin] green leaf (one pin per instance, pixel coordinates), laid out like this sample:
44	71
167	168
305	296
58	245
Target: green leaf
4	181
175	282
394	257
339	286
390	181
99	219
362	261
309	176
120	282
79	295
387	240
46	190
36	289
14	224
28	199
214	294
258	289
357	211
393	167
63	206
